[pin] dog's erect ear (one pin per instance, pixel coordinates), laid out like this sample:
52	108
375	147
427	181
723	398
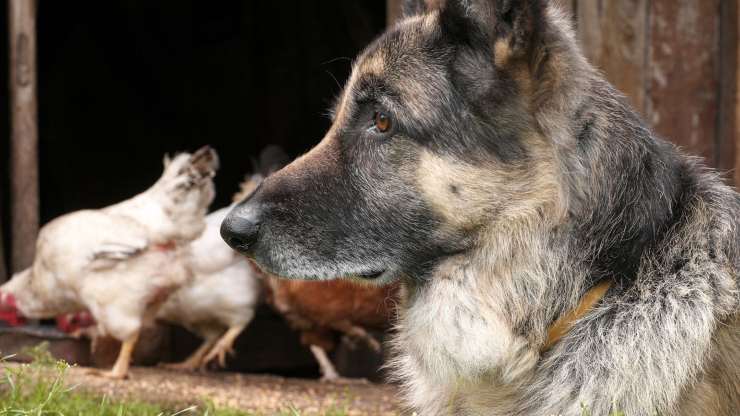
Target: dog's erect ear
512	26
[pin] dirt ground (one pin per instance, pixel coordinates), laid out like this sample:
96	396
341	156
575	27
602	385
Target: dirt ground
258	393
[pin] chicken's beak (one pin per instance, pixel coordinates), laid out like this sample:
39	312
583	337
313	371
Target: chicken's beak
9	310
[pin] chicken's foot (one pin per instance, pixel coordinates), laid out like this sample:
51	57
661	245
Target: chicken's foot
328	371
224	346
195	360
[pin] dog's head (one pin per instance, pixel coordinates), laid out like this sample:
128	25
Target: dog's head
432	141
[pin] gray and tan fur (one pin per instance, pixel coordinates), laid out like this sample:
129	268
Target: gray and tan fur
512	179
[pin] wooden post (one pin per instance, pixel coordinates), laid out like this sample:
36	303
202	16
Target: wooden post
24	197
3	270
3	264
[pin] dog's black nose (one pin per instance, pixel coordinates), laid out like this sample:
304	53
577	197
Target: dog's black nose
241	227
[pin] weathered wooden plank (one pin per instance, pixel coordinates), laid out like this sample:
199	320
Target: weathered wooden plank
392	11
24	203
683	84
737	102
613	36
729	130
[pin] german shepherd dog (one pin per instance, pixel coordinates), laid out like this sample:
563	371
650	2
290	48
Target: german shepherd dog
557	257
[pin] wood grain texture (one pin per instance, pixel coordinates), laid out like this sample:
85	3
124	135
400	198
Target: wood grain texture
613	36
393	11
24	202
737	96
683	85
728	133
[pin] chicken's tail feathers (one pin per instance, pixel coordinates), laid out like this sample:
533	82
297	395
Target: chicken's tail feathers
272	158
205	161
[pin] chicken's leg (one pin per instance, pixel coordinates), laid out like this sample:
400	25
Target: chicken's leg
224	346
195	360
123	362
120	368
328	371
360	333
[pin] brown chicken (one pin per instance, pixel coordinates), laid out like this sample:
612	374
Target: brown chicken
322	309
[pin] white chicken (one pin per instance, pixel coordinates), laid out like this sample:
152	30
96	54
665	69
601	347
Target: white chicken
121	262
219	301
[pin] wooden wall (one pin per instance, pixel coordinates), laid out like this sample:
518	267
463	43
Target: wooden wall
732	83
676	60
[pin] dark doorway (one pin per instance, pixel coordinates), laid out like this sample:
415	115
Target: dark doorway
123	82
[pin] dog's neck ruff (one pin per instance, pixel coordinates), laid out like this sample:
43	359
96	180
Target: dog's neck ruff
563	324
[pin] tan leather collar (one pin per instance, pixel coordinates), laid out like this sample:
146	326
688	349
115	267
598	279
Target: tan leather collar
563	324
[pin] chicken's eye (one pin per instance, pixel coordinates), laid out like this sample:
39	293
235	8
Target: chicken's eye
382	122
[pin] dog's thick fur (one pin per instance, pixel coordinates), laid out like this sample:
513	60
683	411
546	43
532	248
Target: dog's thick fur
512	180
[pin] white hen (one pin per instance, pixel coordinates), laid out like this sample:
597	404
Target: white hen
220	300
119	262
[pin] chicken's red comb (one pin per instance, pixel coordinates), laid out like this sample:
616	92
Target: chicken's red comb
9	310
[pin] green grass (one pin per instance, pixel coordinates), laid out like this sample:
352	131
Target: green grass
39	389
30	390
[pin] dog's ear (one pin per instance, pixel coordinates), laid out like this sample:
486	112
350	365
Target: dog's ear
511	26
410	8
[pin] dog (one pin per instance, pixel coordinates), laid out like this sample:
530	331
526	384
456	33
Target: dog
557	258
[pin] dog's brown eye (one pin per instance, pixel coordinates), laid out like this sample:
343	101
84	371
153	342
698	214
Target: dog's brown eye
382	122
